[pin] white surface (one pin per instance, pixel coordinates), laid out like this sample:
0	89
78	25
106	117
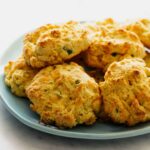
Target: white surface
18	17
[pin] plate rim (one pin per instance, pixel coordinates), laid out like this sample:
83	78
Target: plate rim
64	133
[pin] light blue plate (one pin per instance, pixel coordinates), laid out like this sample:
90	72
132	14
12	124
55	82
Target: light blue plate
19	107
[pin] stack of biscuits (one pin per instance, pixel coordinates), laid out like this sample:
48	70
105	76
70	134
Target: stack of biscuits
77	73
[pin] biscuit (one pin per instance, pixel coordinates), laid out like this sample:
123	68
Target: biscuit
113	45
64	95
142	29
56	45
126	92
18	76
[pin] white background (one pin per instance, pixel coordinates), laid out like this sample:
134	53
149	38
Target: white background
20	16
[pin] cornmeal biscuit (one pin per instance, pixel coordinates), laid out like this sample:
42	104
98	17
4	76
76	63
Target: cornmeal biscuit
64	95
126	92
56	45
113	45
18	76
142	29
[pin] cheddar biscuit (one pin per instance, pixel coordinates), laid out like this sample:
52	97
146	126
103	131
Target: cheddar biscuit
113	45
56	45
126	92
64	95
142	29
18	76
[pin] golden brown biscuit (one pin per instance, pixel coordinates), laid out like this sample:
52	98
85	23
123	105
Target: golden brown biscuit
142	29
64	95
56	45
18	76
113	45
126	92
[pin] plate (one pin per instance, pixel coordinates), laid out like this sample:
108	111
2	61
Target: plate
19	108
